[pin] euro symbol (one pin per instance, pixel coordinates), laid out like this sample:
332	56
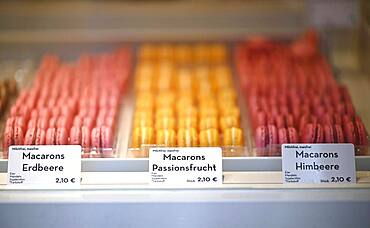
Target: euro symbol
73	180
214	179
348	179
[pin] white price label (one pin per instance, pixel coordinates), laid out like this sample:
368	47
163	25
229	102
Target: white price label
318	163
188	166
44	166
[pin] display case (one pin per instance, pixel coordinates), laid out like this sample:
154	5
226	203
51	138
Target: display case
128	90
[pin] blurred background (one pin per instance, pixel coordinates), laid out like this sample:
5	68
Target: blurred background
344	24
30	28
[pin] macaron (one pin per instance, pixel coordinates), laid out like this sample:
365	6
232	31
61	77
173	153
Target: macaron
55	111
77	121
228	122
10	121
355	132
8	137
208	122
341	109
333	134
330	119
95	137
40	136
34	113
360	132
42	122
346	119
266	135
88	121
230	111
87	111
19	121
164	112
53	121
190	111
64	122
61	137
284	121
260	118
85	138
288	135
106	137
14	110
51	103
306	119
208	112
233	137
142	136
165	123
32	123
65	111
209	138
18	135
25	112
312	133
166	137
29	138
349	109
41	102
44	112
75	135
30	102
50	136
138	122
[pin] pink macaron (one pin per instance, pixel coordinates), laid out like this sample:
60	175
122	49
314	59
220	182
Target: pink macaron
18	135
106	137
283	121
8	139
61	137
266	135
333	134
288	135
85	138
75	136
50	136
29	138
40	136
312	133
95	137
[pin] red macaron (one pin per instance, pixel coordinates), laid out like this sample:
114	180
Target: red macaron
40	136
312	133
333	134
75	135
29	138
355	132
266	135
288	135
50	136
18	135
61	137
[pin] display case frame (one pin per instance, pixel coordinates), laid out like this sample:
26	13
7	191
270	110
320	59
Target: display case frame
115	192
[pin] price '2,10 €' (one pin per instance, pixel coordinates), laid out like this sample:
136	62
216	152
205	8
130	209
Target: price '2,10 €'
65	180
207	179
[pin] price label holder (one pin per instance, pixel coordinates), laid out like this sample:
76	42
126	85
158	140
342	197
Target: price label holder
55	167
318	163
185	167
